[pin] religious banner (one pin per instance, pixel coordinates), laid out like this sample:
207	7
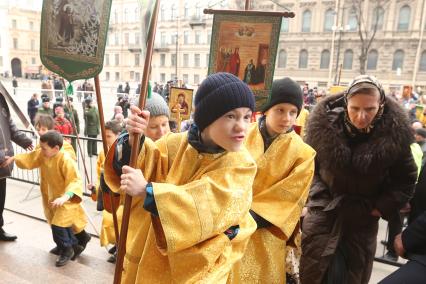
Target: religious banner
73	37
245	43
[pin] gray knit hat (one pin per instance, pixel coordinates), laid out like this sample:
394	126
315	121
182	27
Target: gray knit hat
157	106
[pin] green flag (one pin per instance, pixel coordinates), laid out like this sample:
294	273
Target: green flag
73	36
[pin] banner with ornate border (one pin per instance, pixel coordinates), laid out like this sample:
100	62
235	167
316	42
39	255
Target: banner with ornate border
73	36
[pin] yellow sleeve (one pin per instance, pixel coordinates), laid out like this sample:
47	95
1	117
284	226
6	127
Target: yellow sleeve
73	181
203	208
29	160
99	168
67	147
282	203
151	161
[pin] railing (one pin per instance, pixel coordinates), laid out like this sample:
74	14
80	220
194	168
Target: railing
32	176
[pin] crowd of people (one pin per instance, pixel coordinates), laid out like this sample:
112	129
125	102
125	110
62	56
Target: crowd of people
293	196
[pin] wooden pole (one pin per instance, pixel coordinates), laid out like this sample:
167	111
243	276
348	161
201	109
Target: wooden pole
76	134
105	147
135	144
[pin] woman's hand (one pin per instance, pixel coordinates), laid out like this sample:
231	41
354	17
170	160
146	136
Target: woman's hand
133	182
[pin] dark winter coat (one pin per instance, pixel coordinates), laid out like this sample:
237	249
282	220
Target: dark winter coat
8	133
351	179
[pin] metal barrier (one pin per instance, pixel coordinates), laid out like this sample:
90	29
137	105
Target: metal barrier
32	176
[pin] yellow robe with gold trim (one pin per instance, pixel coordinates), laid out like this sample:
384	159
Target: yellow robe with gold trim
198	197
280	190
59	175
107	235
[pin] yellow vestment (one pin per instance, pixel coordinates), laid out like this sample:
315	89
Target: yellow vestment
107	235
58	174
198	197
280	190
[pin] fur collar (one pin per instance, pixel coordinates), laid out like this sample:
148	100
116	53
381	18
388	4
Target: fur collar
325	133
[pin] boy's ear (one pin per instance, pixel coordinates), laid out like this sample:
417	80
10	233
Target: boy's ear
57	147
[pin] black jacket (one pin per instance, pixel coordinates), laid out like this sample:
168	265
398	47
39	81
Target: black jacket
414	239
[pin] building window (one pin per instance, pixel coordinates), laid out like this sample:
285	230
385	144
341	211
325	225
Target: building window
137	76
31	25
186	37
372	58
173	59
197	37
209	37
185	78
196	60
173	38
32	44
196	79
282	59
306	21
207	60
422	66
33	60
197	11
186	10
325	59
137	38
284	25
116	39
15	43
117	76
126	39
126	15
137	14
132	75
162	77
117	59
14	25
404	18
162	13
173	76
1	60
329	20
163	38
377	19
162	60
115	16
352	20
185	60
173	12
398	59
348	58
137	59
107	76
303	59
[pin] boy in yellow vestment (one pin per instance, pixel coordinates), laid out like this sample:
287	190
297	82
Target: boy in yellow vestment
107	235
190	219
285	171
44	123
64	191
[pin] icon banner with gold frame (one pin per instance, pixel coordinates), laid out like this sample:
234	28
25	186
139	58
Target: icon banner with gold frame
180	103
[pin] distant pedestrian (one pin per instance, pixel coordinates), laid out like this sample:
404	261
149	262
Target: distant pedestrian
32	107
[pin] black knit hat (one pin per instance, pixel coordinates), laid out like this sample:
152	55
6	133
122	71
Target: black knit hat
218	94
285	91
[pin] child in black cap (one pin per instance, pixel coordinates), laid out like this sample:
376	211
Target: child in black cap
192	190
285	170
